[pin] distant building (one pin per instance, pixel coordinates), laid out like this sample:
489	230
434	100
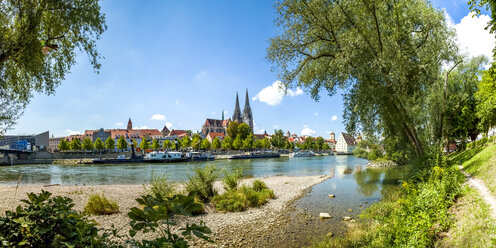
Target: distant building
102	134
346	143
331	141
53	144
215	126
177	133
25	142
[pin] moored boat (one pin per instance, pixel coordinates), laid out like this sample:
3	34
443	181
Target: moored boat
302	154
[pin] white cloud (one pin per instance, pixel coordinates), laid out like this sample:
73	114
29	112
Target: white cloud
316	114
158	117
472	38
142	127
258	130
276	126
72	132
307	131
177	102
169	125
334	118
273	94
226	112
119	124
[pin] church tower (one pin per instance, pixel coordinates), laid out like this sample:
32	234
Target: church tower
247	115
237	112
129	125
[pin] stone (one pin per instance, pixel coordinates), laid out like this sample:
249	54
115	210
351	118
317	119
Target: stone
346	218
324	216
330	234
331	196
350	210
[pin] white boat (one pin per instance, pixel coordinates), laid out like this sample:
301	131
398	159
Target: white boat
302	154
164	156
199	156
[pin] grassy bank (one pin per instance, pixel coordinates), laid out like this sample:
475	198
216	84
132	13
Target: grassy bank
431	208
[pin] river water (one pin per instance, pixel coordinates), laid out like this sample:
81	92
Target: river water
177	172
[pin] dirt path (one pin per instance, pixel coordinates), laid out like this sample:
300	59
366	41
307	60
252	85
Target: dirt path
483	191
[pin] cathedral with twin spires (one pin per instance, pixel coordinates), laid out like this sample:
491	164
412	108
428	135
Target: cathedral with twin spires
247	116
214	127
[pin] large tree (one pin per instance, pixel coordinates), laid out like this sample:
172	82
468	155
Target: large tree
486	100
76	144
382	54
110	143
88	144
38	44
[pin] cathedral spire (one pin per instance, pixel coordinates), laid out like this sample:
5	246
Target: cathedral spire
237	112
247	115
223	115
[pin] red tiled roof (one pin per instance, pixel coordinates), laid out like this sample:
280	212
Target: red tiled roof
349	139
213	123
178	133
213	135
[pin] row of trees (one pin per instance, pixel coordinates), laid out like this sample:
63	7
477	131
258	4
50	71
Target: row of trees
278	141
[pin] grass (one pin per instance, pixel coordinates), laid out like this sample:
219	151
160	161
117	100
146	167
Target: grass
202	182
473	226
159	184
100	205
479	162
241	198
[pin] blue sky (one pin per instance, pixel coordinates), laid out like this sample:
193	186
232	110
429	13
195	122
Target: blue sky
183	61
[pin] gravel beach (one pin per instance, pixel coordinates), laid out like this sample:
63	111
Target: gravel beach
246	229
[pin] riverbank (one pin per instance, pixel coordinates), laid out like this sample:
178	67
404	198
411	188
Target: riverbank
250	228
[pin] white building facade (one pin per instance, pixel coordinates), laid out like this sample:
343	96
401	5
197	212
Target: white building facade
346	143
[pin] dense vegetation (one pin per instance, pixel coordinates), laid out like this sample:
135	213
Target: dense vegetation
100	205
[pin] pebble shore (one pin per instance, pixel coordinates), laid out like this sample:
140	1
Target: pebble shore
227	227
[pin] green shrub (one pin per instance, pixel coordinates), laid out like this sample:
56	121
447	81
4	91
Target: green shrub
48	222
159	184
157	216
202	183
240	199
259	185
231	178
100	205
231	201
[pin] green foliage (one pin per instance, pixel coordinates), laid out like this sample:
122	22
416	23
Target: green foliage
110	143
308	144
100	205
240	199
227	143
88	144
319	143
121	143
244	130
159	185
231	178
486	97
185	142
144	144
196	142
248	142
157	216
99	145
265	143
202	183
64	145
232	129
48	222
383	65
155	144
167	144
205	144
39	40
368	149
237	143
76	144
278	139
216	144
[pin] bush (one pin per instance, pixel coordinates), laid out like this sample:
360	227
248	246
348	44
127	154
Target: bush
240	199
100	205
258	185
231	178
231	201
159	184
157	216
202	183
48	222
